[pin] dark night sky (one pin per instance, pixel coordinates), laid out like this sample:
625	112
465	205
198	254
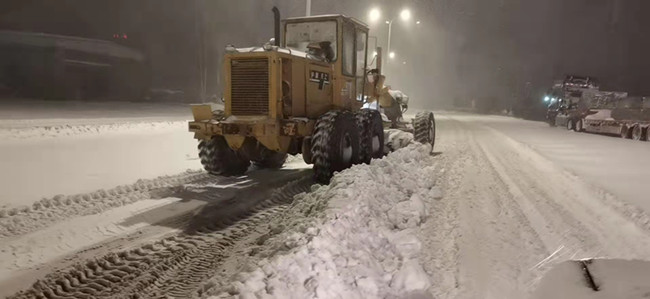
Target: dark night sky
464	48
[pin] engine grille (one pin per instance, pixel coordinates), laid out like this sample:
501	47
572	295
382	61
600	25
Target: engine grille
249	86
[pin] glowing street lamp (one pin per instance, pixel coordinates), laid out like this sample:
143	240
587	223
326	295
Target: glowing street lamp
374	15
405	15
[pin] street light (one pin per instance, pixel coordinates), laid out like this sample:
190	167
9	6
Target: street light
374	15
405	15
391	55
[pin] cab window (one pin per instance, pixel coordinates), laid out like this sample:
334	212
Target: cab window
361	44
348	49
302	36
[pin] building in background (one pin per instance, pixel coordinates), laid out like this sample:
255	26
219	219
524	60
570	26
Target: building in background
52	66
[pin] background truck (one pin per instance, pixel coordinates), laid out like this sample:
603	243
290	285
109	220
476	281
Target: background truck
582	107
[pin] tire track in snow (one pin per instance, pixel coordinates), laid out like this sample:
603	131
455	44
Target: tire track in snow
582	223
19	221
490	233
174	266
519	214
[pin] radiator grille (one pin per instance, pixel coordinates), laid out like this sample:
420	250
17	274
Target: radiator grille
249	86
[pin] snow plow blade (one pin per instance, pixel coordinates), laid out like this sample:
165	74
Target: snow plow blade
596	278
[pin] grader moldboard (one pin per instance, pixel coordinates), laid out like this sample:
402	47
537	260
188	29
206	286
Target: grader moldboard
305	95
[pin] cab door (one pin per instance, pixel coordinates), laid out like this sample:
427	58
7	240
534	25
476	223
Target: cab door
348	60
353	64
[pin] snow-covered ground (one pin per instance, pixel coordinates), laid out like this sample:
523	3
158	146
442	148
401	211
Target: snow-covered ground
54	147
18	111
355	238
500	203
103	156
508	215
596	279
618	166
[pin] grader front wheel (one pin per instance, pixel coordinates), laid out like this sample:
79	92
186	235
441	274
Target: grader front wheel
424	128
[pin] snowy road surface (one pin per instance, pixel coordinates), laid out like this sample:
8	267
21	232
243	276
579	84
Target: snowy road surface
500	203
38	167
520	196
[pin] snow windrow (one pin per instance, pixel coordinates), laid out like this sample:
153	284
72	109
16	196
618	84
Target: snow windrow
355	238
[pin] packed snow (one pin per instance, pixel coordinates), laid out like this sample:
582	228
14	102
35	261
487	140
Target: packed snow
21	112
620	166
362	242
621	279
520	199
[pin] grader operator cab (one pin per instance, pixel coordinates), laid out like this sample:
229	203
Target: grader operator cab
302	94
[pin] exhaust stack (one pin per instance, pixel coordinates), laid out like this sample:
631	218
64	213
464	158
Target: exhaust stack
276	25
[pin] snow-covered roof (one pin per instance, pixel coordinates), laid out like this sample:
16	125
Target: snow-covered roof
330	16
281	50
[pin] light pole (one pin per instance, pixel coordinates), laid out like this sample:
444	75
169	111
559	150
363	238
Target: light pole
375	15
308	8
390	30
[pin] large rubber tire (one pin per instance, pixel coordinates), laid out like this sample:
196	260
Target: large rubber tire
637	133
334	144
271	159
371	134
424	128
625	132
580	126
218	158
570	125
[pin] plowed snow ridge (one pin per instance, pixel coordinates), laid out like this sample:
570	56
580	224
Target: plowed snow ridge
18	221
362	246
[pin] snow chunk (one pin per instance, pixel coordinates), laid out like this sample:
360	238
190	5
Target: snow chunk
407	214
411	278
395	139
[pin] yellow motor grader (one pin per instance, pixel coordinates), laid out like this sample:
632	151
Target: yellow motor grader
302	94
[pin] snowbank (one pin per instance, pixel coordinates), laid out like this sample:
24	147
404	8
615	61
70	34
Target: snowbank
352	239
